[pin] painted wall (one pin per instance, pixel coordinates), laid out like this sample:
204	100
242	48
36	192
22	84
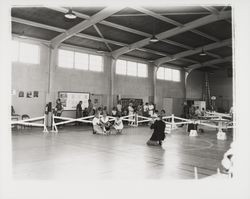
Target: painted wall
29	77
169	89
134	87
222	87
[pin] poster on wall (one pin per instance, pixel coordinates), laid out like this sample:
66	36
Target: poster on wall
71	99
29	94
35	94
21	94
13	92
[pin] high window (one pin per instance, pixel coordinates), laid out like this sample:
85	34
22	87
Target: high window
79	60
130	68
25	52
168	74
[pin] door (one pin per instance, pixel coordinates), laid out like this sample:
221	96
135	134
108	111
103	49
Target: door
168	105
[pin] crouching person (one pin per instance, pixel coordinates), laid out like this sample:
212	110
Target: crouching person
105	123
118	125
97	126
159	131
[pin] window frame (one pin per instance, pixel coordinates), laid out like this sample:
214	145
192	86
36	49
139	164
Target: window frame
88	60
19	49
126	65
171	71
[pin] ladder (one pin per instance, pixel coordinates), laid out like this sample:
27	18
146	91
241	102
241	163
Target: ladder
206	95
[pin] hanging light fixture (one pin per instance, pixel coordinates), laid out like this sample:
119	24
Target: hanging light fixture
22	35
70	14
99	50
202	52
154	39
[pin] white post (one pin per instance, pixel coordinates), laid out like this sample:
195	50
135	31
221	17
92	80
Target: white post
54	127
172	122
45	130
221	135
195	173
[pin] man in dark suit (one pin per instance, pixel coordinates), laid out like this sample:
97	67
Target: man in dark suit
159	131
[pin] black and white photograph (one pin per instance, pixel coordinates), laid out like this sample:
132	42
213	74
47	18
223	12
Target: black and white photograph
126	93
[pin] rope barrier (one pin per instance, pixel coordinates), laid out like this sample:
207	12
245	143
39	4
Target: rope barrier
135	120
27	122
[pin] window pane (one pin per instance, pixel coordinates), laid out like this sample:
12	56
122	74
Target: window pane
131	68
81	61
65	58
121	67
95	63
142	70
168	74
176	75
29	53
14	48
160	73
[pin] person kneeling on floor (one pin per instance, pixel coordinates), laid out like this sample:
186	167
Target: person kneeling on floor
105	123
97	126
159	131
118	125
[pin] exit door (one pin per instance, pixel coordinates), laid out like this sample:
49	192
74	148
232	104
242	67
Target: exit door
168	105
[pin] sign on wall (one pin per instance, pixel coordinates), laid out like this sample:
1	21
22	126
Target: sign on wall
71	99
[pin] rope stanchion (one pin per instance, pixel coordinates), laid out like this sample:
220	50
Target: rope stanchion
68	120
195	173
27	122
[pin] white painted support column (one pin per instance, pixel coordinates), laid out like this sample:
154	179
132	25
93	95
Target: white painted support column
185	84
112	76
51	73
51	79
154	83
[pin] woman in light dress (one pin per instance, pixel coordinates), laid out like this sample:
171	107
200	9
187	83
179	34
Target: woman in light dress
118	125
130	113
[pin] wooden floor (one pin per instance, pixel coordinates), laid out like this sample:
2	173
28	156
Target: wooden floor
75	153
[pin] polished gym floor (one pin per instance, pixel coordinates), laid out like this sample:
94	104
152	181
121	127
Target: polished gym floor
77	154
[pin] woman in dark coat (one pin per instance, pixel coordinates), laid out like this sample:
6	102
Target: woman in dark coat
159	131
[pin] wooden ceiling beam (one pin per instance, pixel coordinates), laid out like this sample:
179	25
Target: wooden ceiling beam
195	51
169	33
106	12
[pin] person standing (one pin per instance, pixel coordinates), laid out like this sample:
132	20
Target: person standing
151	109
130	113
159	131
145	110
79	112
90	108
119	107
58	108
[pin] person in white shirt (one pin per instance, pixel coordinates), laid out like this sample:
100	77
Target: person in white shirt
151	109
130	113
118	125
114	111
97	129
105	123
